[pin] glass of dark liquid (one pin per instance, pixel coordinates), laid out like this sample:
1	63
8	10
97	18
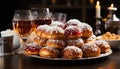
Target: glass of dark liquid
23	26
40	16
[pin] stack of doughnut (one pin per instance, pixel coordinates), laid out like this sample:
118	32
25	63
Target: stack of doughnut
70	40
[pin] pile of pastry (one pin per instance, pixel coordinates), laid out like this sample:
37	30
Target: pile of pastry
71	40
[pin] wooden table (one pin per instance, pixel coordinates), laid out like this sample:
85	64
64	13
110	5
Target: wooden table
23	62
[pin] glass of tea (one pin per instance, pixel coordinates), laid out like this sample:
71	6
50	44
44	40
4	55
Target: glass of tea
23	26
40	16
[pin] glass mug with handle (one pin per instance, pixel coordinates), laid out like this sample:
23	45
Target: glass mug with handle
41	16
23	26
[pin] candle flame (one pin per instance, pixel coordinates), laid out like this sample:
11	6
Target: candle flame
112	5
98	3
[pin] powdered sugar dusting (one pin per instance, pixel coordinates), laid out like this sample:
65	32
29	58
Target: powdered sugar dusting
102	42
56	23
85	26
91	47
70	29
74	48
33	46
42	27
51	49
73	22
55	29
93	37
57	41
78	41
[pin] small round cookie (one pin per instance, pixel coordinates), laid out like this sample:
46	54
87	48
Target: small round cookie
91	50
77	42
103	45
48	52
72	52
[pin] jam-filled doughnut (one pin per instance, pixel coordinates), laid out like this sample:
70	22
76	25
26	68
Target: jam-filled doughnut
87	30
73	22
76	42
59	44
91	39
103	45
49	52
41	30
72	52
55	32
91	50
32	49
40	41
58	23
73	32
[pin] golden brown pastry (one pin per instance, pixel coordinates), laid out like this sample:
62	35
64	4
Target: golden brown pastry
54	43
58	23
91	50
73	22
86	30
103	45
91	39
48	52
41	30
54	32
32	49
73	32
40	41
72	52
76	42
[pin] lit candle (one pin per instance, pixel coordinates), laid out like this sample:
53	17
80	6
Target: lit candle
112	7
98	9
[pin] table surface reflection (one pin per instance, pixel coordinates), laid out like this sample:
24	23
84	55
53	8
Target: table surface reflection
23	62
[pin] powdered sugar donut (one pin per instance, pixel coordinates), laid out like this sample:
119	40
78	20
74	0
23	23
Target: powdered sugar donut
77	42
41	30
91	39
58	23
72	52
55	32
103	45
87	30
60	44
49	52
73	32
40	41
73	22
32	48
91	50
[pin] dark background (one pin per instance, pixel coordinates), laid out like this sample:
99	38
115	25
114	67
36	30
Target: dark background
82	9
7	11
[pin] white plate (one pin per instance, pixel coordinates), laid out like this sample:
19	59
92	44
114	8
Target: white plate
101	56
